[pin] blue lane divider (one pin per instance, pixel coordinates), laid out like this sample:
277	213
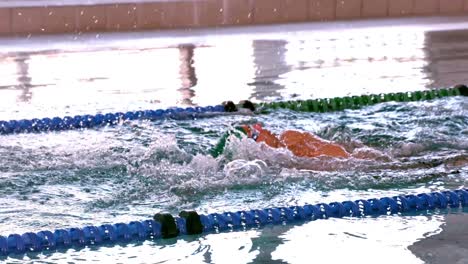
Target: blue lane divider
227	221
98	120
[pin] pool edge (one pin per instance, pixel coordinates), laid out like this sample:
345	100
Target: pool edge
25	19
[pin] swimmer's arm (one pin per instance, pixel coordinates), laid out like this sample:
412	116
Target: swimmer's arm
218	149
270	139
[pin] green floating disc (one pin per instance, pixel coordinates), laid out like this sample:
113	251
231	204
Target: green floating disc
271	105
357	101
307	106
315	106
398	97
443	93
416	96
332	104
428	95
402	97
320	105
389	97
348	102
303	106
375	98
452	91
436	94
323	105
292	105
338	103
342	102
365	100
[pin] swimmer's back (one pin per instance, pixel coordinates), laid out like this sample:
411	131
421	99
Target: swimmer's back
303	144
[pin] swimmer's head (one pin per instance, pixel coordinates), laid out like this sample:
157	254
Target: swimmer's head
250	129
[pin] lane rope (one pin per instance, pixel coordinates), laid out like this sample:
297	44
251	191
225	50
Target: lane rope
355	102
100	120
315	105
191	223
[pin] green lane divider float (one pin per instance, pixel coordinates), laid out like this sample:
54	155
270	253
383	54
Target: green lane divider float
355	102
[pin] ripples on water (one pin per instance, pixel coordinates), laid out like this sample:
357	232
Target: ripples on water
131	171
136	169
164	165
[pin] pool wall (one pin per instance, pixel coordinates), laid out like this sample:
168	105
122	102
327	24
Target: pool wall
25	17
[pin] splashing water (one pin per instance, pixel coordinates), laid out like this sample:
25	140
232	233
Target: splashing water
129	170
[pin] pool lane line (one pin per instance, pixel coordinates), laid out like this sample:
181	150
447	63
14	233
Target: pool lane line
101	120
356	102
315	105
164	226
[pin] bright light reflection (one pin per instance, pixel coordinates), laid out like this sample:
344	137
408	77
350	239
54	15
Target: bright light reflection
343	240
105	76
224	72
235	247
363	62
97	77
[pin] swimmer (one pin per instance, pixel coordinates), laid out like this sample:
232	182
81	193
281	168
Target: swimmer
301	144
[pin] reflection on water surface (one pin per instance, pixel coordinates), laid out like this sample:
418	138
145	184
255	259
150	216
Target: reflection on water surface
261	67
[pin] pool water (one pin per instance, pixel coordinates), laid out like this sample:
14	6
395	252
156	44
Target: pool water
134	170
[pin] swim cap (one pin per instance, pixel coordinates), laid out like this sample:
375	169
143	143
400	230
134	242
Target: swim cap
252	131
258	126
